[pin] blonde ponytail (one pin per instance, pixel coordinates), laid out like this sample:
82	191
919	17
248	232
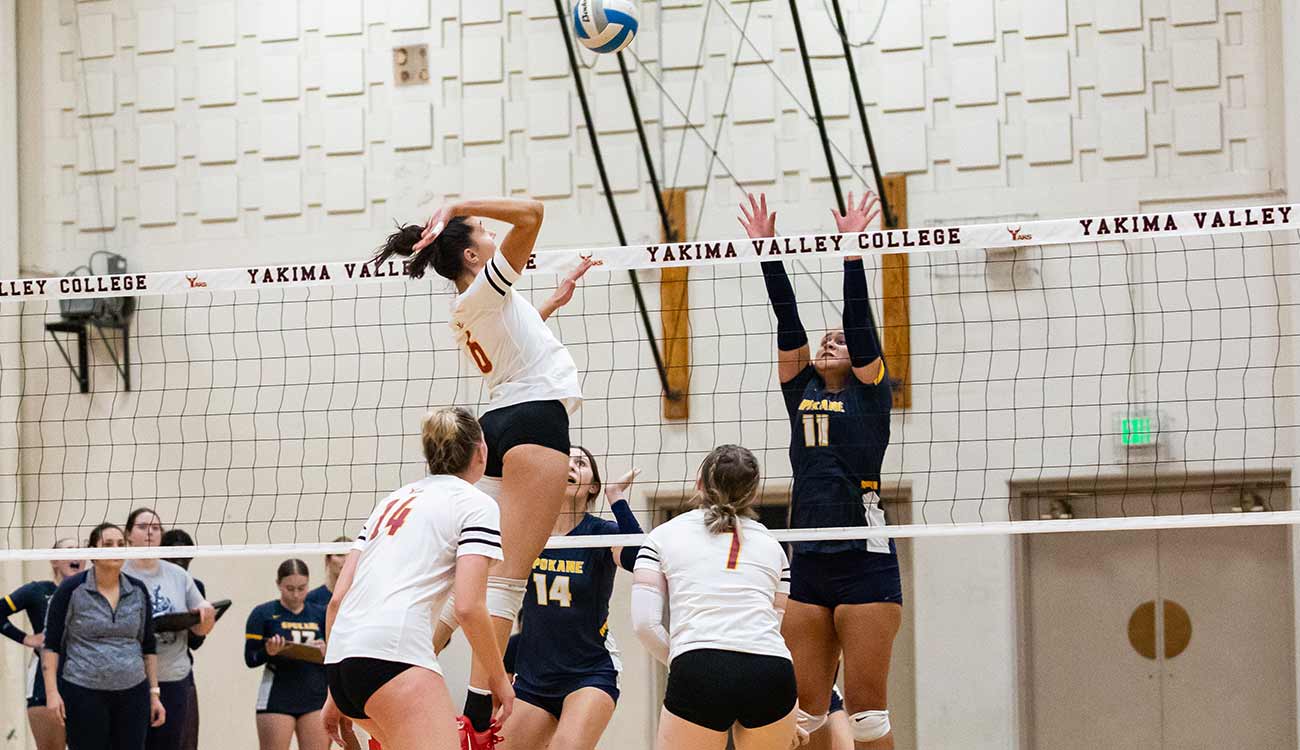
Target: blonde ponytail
729	478
449	437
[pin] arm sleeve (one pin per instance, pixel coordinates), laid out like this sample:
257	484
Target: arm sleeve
254	638
491	288
11	605
648	620
627	524
859	324
56	615
480	531
196	641
790	334
148	642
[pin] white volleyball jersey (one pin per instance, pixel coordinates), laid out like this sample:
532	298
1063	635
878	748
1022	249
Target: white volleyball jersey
721	587
506	338
409	547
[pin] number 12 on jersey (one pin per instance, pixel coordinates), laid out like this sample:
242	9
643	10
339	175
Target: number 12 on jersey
816	430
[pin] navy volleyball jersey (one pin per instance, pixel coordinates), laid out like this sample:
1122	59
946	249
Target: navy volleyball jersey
564	634
837	446
32	598
288	686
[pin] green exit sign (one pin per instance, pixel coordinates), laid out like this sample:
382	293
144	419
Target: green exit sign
1137	432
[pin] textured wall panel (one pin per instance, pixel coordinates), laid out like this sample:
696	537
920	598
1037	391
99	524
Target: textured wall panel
1195	64
484	119
96	150
1123	131
902	84
1043	18
216	25
1049	139
483	59
1046	75
756	101
1198	128
974	81
345	188
157	146
282	193
613	111
344	72
480	11
219	141
219	198
407	15
979	140
100	93
155	30
217	84
1118	15
96	204
903	143
157	203
280	137
345	131
760	45
971	21
155	89
546	58
1121	68
1187	12
901	27
342	18
484	175
96	37
550	115
683	51
278	20
278	77
695	107
412	125
550	175
624	164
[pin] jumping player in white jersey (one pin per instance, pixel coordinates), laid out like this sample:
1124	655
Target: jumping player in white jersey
532	381
726	581
419	542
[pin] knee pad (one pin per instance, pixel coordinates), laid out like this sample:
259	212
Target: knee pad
505	597
808	723
869	725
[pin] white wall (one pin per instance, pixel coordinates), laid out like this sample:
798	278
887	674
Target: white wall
248	132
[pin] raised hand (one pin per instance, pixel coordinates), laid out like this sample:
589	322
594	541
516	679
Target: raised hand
755	219
617	489
858	216
432	228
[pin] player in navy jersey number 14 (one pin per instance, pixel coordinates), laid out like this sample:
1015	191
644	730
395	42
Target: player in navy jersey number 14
844	595
566	662
34	598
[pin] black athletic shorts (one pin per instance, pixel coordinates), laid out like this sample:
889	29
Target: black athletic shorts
852	577
544	423
353	680
716	689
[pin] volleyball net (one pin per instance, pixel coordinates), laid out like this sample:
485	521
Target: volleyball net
1105	372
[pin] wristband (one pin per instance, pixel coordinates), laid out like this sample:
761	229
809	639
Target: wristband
155	691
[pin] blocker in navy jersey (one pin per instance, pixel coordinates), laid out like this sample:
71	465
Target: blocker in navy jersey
837	446
289	686
565	644
320	596
34	599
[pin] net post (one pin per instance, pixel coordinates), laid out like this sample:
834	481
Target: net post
895	299
675	315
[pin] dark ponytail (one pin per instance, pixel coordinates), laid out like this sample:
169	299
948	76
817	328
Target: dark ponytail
446	253
291	567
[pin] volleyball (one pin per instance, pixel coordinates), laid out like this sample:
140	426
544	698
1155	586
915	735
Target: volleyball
605	25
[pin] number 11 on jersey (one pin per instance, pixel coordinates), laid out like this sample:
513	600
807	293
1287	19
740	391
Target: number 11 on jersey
816	430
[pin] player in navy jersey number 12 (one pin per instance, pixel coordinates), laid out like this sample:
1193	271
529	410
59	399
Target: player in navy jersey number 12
846	594
33	598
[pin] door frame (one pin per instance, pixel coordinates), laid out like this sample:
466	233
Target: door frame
1030	498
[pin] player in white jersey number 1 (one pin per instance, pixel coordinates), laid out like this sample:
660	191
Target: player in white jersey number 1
421	541
531	378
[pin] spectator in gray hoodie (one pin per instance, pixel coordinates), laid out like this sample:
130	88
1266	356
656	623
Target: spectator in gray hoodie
99	663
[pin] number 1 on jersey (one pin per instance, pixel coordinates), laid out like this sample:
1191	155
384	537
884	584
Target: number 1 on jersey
816	430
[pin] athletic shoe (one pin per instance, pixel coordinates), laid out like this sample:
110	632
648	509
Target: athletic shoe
470	739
